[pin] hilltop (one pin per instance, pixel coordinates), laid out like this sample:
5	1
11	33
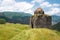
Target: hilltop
24	32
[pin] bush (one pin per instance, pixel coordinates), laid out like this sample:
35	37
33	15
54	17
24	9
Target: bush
2	21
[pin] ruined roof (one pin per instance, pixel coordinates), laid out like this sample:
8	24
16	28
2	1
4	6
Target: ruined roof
38	10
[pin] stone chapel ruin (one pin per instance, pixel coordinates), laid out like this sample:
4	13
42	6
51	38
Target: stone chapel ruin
40	20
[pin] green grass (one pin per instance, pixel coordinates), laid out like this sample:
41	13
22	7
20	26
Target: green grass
37	34
7	31
10	31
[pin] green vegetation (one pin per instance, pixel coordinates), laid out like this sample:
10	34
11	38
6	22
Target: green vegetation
16	17
56	26
2	21
37	34
7	31
24	32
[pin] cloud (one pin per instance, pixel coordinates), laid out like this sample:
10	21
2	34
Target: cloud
0	1
56	4
12	5
6	9
45	4
53	11
7	5
39	1
29	11
7	2
23	6
50	9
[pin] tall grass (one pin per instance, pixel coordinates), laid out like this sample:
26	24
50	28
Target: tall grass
37	34
10	31
7	31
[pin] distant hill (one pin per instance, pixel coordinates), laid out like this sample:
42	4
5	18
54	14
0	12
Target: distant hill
56	26
55	19
21	17
11	14
16	17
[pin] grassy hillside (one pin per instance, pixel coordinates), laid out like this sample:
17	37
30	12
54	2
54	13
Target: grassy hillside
7	31
24	32
37	34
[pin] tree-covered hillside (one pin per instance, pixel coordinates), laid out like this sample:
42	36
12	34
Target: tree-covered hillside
16	17
55	19
56	26
23	18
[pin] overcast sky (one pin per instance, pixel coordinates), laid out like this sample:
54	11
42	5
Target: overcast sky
51	7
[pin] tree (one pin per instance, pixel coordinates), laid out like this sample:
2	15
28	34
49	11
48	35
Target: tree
2	21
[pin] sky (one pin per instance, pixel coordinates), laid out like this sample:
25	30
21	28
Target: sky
50	7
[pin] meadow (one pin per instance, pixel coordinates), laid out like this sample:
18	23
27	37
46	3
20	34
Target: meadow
10	31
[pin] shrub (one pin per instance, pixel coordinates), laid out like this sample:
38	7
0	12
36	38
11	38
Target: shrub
2	21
